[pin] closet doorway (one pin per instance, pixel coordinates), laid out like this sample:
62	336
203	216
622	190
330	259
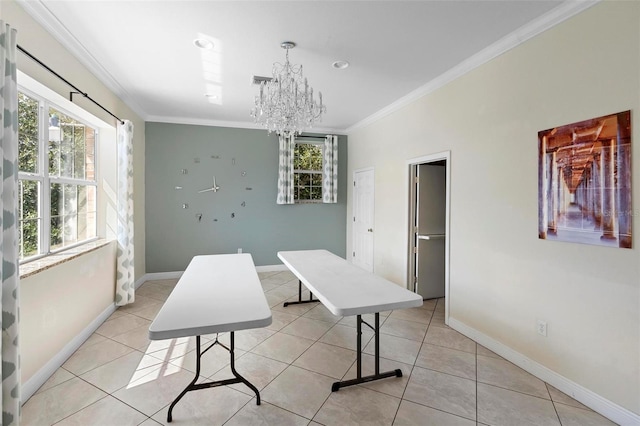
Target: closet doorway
428	233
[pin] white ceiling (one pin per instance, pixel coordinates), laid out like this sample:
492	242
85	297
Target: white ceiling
143	50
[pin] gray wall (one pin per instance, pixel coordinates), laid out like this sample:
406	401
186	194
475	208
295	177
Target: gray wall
262	228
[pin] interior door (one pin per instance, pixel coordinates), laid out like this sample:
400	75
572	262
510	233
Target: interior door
430	229
363	216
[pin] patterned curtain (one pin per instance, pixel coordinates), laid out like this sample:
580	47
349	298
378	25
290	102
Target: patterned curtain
330	170
285	170
125	283
9	242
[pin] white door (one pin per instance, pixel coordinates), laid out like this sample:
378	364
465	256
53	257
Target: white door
363	208
430	229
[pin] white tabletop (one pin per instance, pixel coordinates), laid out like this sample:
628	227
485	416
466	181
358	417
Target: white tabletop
216	293
346	289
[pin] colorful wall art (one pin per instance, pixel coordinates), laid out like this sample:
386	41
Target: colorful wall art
584	182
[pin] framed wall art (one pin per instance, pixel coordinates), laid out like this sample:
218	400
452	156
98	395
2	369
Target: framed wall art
584	182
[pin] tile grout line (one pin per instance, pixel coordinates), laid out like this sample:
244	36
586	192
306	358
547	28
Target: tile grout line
555	409
76	412
423	344
112	394
414	366
291	363
114	397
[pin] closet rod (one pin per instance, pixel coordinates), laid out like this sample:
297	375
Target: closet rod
77	92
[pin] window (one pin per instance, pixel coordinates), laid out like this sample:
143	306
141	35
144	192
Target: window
57	178
307	171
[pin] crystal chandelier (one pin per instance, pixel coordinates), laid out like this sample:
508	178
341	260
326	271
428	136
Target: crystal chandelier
285	104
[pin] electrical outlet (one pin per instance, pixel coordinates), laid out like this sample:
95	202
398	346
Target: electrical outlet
541	327
240	251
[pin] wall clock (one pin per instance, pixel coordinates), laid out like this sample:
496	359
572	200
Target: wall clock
214	188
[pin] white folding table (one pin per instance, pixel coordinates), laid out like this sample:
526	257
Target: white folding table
346	290
216	294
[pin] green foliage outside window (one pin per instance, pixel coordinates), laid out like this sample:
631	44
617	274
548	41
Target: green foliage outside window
27	134
28	190
307	165
29	222
70	155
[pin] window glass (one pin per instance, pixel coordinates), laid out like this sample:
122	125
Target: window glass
57	198
28	218
307	165
308	156
71	147
73	214
27	134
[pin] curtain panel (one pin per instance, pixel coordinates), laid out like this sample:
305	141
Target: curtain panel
9	243
125	284
285	170
330	170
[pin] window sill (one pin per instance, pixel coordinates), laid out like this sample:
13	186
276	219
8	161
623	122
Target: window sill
33	267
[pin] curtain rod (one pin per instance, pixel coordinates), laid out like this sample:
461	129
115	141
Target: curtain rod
77	92
309	137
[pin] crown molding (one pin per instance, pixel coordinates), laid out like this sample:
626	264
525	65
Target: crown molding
201	122
233	124
38	10
543	23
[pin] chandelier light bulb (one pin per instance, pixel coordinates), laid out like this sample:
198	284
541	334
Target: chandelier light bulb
283	106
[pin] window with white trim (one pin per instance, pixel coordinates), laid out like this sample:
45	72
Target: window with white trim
57	178
307	171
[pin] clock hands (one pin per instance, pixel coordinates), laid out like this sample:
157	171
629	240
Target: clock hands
214	188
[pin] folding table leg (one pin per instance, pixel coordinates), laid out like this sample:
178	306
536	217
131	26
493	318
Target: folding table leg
193	386
239	377
377	376
299	301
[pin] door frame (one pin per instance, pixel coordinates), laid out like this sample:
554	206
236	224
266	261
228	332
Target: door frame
353	201
411	165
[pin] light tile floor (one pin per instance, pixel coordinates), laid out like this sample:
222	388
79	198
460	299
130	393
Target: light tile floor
118	377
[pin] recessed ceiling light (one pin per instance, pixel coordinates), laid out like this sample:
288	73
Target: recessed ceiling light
210	96
203	43
340	65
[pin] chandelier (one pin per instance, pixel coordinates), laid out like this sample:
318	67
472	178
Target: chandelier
286	104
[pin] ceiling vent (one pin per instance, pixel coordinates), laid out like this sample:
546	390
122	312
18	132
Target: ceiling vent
258	79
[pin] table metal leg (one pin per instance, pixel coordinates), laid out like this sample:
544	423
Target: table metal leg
242	379
377	376
193	386
299	301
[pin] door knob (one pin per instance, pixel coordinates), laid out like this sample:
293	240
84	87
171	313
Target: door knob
370	230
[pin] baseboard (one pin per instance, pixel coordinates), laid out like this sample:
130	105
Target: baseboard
597	403
271	268
177	274
150	276
33	384
140	281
